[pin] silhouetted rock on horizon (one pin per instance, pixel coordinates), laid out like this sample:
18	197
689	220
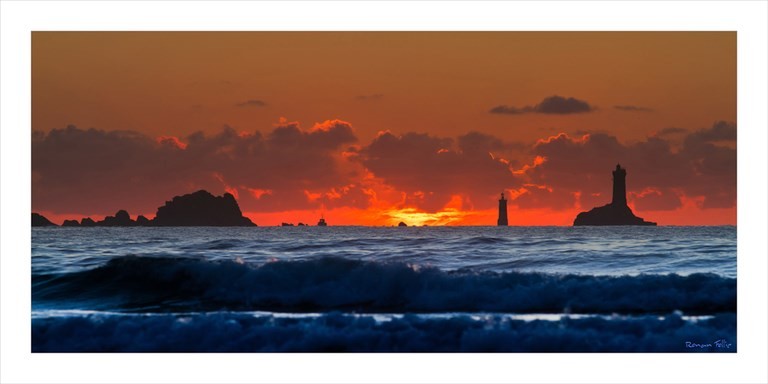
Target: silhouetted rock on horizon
120	219
39	220
201	209
70	223
87	222
610	214
615	213
401	224
142	221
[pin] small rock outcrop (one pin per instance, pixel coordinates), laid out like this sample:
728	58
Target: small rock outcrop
39	220
87	222
615	213
201	209
120	219
401	224
70	223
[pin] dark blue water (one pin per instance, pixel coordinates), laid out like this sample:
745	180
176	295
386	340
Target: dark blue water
384	289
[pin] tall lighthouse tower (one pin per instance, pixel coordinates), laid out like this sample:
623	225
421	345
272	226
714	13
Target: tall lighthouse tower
502	212
619	186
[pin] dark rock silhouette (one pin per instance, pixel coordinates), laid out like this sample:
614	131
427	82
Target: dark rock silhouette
615	213
39	220
401	224
120	219
195	209
70	223
302	224
142	221
201	209
286	225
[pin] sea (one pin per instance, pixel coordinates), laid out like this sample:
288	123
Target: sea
384	289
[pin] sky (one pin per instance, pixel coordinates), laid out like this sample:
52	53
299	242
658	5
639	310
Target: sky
374	128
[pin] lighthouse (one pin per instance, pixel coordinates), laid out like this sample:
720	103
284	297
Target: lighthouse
502	212
619	186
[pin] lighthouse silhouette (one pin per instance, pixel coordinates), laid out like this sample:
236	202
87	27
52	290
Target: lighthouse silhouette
619	186
617	212
502	221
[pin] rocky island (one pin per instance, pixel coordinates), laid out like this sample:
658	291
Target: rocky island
39	220
200	208
615	213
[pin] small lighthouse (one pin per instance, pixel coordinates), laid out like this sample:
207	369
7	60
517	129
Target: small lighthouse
502	212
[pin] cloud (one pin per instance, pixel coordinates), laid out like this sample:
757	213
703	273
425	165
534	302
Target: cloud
553	105
656	200
700	168
251	103
290	168
671	131
720	131
507	110
373	97
561	105
97	171
532	196
430	170
632	108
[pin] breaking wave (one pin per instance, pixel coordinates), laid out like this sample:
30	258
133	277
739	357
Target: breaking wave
164	284
335	332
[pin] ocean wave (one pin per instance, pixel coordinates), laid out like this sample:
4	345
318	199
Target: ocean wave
335	332
167	284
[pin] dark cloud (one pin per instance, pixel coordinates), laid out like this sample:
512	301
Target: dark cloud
555	105
373	97
536	196
252	103
561	105
507	110
479	143
632	108
657	200
671	131
96	171
433	169
720	131
288	168
699	169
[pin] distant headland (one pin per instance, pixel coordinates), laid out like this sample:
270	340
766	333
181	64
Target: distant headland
615	213
200	208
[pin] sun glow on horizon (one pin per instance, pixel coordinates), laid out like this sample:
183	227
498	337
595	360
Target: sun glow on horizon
414	217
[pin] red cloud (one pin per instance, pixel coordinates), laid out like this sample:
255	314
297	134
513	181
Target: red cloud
702	167
172	141
289	169
430	170
93	171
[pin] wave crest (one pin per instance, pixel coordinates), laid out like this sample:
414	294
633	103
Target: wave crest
134	283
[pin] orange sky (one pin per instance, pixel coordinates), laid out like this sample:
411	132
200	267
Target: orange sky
377	127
